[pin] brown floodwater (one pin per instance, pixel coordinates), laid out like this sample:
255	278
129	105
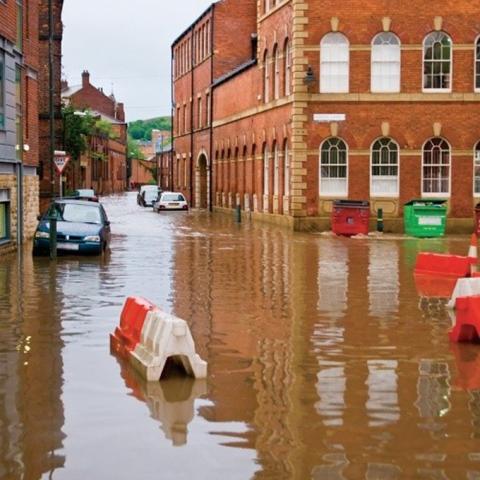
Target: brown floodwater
324	363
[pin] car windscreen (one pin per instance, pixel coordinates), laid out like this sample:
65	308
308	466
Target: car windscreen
172	197
72	212
84	193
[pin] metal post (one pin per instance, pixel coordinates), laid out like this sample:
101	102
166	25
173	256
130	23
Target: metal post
60	187
238	214
380	226
53	234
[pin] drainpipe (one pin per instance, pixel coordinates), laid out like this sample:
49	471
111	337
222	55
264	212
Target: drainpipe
51	89
173	111
192	106
210	170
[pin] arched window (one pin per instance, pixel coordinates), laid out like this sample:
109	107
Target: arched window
385	63
286	170
276	170
477	64
266	171
476	170
437	62
436	168
276	73
334	168
385	163
266	78
334	63
287	67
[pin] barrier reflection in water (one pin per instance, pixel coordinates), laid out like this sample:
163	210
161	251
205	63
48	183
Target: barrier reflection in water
467	362
171	401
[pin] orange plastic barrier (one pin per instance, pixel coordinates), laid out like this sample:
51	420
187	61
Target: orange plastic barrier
434	286
445	265
127	335
467	327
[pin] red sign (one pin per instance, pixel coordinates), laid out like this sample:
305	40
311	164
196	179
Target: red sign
60	159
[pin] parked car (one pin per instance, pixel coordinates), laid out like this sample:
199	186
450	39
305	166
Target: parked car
85	194
148	195
82	227
171	201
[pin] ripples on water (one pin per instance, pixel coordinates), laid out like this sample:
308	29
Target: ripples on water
323	361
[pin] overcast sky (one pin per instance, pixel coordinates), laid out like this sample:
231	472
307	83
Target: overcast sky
126	44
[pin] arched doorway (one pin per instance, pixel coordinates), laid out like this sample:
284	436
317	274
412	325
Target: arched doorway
202	182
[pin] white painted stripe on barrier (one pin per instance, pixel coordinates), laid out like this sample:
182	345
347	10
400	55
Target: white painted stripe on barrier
165	336
465	287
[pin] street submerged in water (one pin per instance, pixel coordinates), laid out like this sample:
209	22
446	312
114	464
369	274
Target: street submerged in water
323	361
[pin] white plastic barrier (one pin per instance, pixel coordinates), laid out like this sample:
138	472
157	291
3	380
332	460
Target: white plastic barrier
166	337
465	287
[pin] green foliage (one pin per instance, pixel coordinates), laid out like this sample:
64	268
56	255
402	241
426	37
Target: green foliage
142	129
77	127
133	150
104	129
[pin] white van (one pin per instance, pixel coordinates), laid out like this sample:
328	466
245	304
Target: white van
148	195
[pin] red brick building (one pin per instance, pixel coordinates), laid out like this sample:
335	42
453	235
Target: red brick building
19	83
358	100
50	34
104	166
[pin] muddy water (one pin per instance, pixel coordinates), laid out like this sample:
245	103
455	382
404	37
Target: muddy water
323	361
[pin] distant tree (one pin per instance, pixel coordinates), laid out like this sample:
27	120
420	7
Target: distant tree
133	150
77	127
142	129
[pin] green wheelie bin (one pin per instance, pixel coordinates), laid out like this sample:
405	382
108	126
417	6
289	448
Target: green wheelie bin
425	218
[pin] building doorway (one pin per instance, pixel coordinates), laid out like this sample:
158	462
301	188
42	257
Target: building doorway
202	182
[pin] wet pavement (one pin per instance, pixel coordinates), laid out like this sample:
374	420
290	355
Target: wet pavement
323	361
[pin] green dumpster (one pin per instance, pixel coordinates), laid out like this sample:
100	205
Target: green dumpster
425	218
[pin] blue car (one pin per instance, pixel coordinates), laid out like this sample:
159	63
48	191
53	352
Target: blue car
82	227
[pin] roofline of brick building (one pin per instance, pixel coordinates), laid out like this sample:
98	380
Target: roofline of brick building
236	71
192	25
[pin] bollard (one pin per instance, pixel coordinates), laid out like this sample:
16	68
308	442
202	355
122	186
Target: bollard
380	220
53	235
238	214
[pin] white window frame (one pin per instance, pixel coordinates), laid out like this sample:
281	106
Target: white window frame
288	68
437	90
339	54
380	194
344	192
476	65
385	50
266	171
286	170
437	194
476	162
266	78
276	73
276	170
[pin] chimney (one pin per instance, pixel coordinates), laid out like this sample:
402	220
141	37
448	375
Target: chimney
85	79
120	112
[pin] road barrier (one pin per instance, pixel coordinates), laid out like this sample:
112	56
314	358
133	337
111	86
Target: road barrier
154	341
467	324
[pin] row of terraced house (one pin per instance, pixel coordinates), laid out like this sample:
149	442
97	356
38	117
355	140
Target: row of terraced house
31	123
307	102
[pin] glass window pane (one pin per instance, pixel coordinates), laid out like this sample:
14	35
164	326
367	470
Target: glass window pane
3	221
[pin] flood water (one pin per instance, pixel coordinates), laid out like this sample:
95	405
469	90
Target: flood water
324	363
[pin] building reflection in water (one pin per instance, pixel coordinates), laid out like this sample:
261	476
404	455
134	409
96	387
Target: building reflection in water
318	348
31	369
383	279
382	405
